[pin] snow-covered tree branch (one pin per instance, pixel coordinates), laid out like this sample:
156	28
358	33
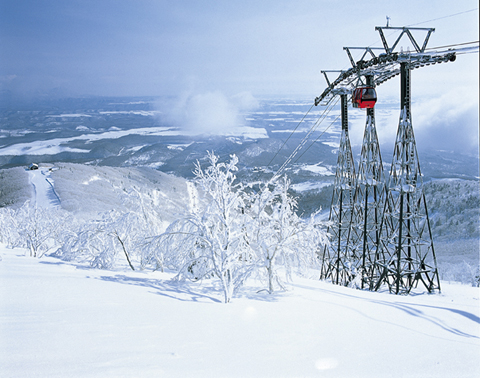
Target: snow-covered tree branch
280	237
212	242
238	231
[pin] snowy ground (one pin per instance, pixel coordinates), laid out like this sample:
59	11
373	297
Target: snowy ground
64	320
43	188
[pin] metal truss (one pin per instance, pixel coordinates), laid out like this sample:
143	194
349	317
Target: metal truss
386	65
405	31
405	255
380	233
369	203
338	258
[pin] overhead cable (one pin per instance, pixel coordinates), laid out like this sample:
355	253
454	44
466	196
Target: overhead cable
316	140
441	18
457	44
295	129
305	139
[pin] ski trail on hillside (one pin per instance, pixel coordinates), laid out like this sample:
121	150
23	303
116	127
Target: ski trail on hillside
44	194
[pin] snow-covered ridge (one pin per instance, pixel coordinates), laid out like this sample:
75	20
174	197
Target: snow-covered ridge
57	145
70	115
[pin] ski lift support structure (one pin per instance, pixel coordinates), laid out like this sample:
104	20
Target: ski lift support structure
386	65
400	265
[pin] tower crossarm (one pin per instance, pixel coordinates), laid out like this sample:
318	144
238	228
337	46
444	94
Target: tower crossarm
386	65
405	30
382	68
367	50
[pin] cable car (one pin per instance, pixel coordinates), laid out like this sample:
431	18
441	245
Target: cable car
364	97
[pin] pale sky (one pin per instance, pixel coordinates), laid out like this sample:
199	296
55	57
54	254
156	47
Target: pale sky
160	47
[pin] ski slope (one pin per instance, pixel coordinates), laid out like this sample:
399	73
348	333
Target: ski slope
63	320
44	194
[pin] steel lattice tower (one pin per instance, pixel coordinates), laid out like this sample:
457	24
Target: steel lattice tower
339	255
369	201
380	233
406	256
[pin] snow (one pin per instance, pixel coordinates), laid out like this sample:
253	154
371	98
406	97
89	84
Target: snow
63	320
91	189
43	188
309	185
71	115
57	145
289	131
332	144
192	197
144	113
53	146
247	132
91	179
319	169
179	147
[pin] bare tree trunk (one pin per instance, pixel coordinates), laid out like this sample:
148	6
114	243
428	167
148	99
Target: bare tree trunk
227	286
270	275
124	250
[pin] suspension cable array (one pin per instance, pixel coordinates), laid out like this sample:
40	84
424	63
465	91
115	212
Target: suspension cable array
340	86
305	139
380	229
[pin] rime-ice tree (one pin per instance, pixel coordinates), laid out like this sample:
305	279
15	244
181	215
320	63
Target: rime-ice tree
103	241
114	236
281	239
117	232
212	242
8	230
38	229
238	231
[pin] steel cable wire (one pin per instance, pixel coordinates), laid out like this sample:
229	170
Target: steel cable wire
295	129
323	132
305	139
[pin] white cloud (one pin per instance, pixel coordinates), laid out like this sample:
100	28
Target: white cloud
444	122
448	122
208	112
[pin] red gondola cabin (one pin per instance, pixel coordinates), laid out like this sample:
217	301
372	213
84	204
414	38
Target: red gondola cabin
364	97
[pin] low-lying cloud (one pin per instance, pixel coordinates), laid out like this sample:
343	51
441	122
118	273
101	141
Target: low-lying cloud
208	112
448	122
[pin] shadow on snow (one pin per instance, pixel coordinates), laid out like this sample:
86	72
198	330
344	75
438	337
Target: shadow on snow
192	291
174	289
412	310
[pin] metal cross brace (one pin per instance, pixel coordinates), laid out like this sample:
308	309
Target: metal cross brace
405	30
367	50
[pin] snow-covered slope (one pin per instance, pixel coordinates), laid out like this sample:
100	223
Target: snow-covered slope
61	320
44	194
87	190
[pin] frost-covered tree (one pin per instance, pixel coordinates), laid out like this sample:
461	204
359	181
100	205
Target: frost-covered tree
212	242
476	279
114	236
102	242
15	189
238	231
38	229
281	239
120	233
8	231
